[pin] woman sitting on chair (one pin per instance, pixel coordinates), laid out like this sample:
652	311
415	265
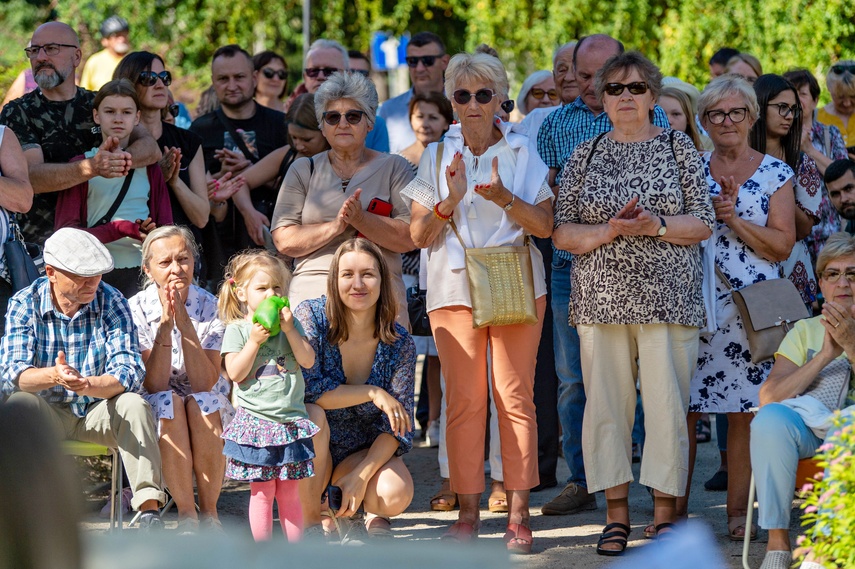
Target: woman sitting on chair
809	381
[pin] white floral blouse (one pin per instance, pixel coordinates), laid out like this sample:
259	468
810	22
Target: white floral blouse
202	308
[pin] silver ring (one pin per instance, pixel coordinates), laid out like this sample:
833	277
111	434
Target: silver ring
397	415
836	325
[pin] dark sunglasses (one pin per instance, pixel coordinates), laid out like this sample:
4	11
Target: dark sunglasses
313	72
427	60
149	78
539	93
174	110
786	110
271	73
332	118
363	72
482	96
841	68
615	89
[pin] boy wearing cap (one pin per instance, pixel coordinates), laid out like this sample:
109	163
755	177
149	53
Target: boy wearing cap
99	68
71	352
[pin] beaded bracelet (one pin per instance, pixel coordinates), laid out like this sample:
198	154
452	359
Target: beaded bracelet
439	215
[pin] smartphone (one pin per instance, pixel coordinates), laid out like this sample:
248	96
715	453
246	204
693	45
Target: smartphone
378	207
334	498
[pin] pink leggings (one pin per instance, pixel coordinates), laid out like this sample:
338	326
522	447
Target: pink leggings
287	497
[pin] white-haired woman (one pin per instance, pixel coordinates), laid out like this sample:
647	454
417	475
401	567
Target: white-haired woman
346	191
180	336
496	193
538	91
841	85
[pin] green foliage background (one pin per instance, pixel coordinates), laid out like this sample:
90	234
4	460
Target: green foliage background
680	35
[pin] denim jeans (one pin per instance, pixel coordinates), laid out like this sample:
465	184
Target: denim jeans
568	366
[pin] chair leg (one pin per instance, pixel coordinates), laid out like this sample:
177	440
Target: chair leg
748	519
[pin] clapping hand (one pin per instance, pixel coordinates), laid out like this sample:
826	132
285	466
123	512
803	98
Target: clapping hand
725	202
495	191
351	211
455	176
111	161
232	161
839	324
68	377
634	220
170	164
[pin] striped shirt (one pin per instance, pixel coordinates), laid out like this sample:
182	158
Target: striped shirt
100	339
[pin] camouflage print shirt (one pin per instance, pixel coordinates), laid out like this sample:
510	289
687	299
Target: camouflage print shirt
63	130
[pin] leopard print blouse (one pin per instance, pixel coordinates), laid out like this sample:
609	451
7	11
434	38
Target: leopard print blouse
636	279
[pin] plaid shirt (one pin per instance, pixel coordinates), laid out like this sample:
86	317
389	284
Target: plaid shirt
568	127
100	339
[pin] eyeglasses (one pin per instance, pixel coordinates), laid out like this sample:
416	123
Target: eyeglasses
332	118
313	72
636	88
363	72
482	96
149	78
174	110
832	276
735	115
786	110
837	69
539	93
271	73
51	49
427	60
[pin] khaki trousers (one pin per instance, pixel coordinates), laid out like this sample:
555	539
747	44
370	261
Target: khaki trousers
463	355
124	421
663	357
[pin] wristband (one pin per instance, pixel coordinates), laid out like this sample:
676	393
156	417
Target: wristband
439	215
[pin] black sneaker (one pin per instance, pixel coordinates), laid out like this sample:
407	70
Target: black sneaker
150	522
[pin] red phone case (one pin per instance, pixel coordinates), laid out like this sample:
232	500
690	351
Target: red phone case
378	207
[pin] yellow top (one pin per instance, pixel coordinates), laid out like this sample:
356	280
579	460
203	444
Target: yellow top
825	117
99	69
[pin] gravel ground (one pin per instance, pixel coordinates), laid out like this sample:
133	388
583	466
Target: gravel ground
560	541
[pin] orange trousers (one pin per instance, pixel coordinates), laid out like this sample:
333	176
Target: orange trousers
463	355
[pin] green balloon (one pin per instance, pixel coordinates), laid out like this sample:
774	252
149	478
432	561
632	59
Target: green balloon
267	313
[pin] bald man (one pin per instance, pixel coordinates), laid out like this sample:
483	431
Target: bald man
54	124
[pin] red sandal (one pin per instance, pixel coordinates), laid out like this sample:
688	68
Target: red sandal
461	532
519	539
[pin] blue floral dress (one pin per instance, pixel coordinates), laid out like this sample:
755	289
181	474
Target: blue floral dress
202	308
356	428
726	381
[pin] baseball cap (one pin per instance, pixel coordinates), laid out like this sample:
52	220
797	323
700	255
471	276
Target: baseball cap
77	252
113	25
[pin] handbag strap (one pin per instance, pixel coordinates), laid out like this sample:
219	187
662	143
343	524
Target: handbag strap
723	278
236	137
126	185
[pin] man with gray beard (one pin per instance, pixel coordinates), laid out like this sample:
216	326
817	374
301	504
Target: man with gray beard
54	124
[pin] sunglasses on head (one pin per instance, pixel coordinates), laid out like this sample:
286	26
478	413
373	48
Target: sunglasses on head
270	73
841	68
636	88
149	78
332	118
427	60
539	93
482	96
174	110
313	72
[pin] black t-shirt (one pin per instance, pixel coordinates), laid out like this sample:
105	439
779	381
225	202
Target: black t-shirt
189	144
63	130
262	134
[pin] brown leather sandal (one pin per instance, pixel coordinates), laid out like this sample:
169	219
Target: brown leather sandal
498	501
449	498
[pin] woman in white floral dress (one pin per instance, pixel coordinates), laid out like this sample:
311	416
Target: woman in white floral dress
180	336
755	232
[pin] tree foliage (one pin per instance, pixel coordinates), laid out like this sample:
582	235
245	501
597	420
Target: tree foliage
680	35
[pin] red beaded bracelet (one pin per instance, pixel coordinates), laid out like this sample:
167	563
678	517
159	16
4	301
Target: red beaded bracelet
437	213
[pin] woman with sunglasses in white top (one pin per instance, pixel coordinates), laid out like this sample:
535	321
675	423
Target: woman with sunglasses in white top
494	189
633	208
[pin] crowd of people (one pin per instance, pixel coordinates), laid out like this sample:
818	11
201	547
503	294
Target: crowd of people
230	299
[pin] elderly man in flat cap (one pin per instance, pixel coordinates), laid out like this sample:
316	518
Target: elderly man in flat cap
71	352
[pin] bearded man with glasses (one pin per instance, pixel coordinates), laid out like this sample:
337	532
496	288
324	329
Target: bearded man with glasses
426	60
54	123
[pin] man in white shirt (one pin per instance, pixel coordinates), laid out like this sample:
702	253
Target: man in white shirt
427	61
